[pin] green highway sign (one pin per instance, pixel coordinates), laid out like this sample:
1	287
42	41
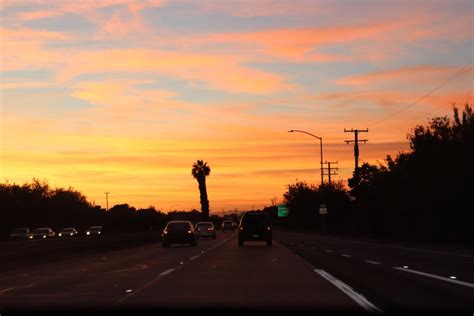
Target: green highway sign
282	210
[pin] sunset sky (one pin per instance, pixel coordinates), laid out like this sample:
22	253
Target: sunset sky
124	96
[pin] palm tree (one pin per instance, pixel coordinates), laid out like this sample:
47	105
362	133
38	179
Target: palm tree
200	171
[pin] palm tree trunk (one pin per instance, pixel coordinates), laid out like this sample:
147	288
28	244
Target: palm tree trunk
204	200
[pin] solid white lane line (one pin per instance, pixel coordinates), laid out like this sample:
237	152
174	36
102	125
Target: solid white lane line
166	272
435	276
372	262
356	297
194	257
328	250
347	256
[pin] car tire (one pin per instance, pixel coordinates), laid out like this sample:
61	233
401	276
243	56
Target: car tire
241	243
166	245
269	243
214	237
194	244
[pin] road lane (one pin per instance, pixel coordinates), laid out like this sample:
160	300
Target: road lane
94	280
370	270
444	263
254	276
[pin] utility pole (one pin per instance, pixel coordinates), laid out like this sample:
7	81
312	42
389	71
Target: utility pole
107	200
331	171
356	142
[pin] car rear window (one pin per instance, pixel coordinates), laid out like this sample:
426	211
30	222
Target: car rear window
178	225
42	230
204	225
20	231
254	220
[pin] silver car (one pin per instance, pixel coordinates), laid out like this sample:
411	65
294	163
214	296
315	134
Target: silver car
205	229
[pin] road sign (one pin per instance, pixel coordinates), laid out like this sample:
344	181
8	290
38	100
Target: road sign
322	209
282	210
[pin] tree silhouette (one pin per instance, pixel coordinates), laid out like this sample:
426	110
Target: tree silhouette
200	171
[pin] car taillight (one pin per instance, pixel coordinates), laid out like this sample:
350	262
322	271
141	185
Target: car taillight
165	232
209	229
189	232
269	228
241	228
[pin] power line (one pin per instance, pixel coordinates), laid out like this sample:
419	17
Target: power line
453	76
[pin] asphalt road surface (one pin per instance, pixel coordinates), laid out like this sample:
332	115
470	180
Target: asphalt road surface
300	272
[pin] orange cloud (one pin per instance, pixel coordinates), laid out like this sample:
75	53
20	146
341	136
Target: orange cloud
218	71
423	74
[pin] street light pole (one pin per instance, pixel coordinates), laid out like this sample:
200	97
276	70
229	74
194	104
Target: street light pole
323	226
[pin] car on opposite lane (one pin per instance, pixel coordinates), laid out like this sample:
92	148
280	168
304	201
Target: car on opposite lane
42	233
179	232
94	231
205	229
68	232
22	233
255	226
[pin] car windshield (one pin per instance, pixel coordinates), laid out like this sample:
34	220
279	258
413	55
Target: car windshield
95	228
20	231
178	226
68	230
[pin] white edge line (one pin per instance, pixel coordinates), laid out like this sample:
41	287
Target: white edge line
435	276
194	257
356	297
372	262
347	256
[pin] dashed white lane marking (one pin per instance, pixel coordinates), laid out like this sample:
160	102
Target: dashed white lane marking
372	262
166	272
356	297
161	275
314	248
137	267
300	245
328	250
194	257
435	276
344	255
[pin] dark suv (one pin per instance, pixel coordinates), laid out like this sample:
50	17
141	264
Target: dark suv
255	226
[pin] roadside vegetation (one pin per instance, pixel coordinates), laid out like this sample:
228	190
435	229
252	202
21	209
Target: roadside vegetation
424	194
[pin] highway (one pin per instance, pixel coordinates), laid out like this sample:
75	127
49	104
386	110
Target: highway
300	272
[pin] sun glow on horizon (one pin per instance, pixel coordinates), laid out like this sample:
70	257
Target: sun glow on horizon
123	96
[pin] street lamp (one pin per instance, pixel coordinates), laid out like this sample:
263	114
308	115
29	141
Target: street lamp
322	170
